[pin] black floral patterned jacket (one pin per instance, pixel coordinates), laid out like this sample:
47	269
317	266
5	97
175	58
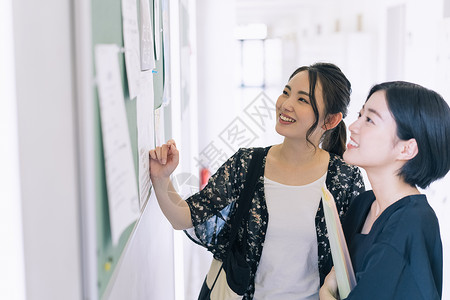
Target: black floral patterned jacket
212	207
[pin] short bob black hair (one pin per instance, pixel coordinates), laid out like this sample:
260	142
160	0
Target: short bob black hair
423	115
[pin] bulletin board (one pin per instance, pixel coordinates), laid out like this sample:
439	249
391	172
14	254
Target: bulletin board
107	29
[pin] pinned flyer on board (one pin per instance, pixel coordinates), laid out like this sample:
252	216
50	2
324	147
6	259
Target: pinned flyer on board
166	53
146	135
341	258
146	32
123	201
157	28
159	126
131	42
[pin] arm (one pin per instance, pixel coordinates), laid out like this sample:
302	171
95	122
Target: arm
163	161
389	269
385	270
212	207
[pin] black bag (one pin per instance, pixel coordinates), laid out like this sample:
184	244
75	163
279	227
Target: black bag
229	280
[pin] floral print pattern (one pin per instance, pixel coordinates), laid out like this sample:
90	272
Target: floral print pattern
212	208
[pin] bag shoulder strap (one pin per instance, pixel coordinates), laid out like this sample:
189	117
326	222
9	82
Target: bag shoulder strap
245	198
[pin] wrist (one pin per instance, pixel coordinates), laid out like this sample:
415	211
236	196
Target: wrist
160	183
325	294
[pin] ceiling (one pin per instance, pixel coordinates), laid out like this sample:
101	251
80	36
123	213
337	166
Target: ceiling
268	11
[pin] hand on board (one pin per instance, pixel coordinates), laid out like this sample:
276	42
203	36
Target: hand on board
163	160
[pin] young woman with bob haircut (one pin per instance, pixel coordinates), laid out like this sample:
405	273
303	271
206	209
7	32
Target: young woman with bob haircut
402	140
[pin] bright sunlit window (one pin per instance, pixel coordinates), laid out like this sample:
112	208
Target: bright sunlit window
251	40
252	63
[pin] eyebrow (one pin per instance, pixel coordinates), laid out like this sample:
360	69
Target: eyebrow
299	92
374	112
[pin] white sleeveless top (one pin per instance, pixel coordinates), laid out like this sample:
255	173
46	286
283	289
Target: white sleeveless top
288	267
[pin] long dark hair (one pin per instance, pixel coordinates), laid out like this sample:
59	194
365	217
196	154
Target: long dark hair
336	89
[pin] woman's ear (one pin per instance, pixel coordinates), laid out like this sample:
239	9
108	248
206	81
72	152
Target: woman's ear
332	121
409	149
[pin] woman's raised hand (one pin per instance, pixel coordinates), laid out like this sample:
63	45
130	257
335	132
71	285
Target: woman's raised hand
163	160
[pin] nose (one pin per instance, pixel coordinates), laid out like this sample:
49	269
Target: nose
354	127
286	103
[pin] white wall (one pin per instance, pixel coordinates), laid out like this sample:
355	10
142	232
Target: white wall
43	46
146	267
12	273
216	56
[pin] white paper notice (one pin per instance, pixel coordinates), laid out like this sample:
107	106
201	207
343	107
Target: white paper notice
156	13
120	174
166	51
147	47
159	126
146	138
131	43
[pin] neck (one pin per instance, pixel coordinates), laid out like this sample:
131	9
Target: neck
389	187
299	153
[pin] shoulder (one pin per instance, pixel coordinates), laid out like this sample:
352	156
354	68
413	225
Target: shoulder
241	157
411	220
366	196
342	176
340	167
240	161
411	208
360	204
244	155
251	150
416	213
357	213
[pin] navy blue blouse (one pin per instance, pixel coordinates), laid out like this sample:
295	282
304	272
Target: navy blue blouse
401	256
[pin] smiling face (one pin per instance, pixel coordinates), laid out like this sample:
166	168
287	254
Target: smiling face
373	141
295	114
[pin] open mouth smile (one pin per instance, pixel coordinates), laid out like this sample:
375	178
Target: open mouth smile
287	119
352	144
